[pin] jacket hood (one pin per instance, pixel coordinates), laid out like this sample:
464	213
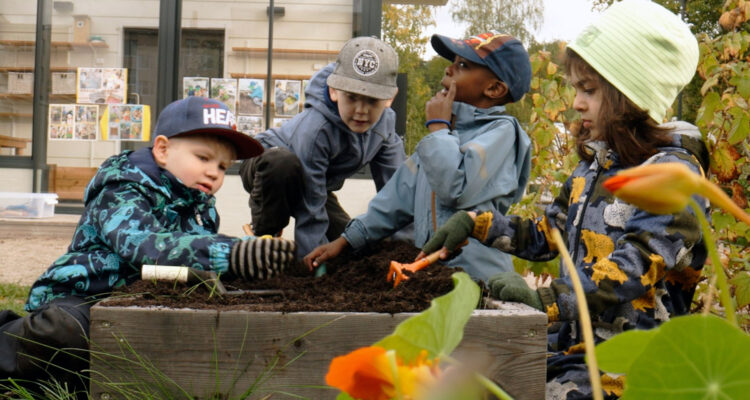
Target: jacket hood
139	168
316	96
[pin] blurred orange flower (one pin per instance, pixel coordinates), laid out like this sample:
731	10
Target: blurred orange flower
374	373
666	189
658	188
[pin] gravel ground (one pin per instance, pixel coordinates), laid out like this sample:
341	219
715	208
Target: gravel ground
22	260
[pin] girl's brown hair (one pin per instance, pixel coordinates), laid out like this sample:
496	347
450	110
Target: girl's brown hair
628	130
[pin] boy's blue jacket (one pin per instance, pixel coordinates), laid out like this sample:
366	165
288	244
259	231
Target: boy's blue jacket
484	163
330	152
136	213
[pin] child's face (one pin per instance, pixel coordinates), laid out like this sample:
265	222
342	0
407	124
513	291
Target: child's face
199	162
471	81
358	112
588	101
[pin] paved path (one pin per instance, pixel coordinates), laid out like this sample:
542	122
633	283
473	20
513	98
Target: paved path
29	246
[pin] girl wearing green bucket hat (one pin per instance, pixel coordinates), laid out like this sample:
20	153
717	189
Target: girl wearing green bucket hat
637	269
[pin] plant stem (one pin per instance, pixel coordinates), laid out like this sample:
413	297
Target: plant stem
492	387
721	278
583	313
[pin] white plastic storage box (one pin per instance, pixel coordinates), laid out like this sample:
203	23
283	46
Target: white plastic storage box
20	82
63	83
27	205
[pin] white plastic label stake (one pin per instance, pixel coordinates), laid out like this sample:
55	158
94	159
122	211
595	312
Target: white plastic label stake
164	273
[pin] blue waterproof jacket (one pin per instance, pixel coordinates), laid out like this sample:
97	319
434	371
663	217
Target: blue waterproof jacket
136	213
484	163
330	152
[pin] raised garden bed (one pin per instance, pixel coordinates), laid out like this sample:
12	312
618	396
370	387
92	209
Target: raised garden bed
207	346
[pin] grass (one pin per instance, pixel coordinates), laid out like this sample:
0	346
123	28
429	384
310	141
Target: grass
13	297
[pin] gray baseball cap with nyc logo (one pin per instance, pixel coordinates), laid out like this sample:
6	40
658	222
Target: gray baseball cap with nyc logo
366	66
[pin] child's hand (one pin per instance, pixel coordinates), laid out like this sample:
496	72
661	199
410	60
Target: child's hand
440	106
261	258
325	252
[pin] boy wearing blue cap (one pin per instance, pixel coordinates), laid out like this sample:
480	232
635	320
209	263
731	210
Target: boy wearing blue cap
150	206
475	155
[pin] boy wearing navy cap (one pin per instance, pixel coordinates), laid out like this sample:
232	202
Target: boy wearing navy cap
475	156
150	206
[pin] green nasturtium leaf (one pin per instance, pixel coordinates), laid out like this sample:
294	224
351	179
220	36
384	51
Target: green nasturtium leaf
741	283
440	328
692	357
617	354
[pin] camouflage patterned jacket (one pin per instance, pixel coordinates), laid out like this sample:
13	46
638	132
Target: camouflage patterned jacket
637	268
136	213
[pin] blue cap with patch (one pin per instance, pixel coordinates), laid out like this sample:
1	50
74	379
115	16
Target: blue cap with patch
503	54
200	115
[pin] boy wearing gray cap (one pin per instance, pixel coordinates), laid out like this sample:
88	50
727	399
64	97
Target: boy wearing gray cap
475	155
346	124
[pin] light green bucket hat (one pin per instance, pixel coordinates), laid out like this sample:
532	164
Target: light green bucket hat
644	50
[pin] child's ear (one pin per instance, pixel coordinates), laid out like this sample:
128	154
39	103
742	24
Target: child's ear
333	94
497	90
159	151
390	101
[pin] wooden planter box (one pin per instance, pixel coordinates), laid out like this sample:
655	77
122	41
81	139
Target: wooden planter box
219	354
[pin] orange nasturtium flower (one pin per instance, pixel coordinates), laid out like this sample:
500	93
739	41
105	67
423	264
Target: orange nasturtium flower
368	373
666	189
657	188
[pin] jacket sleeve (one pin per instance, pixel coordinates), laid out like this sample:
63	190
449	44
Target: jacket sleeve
527	238
128	226
391	209
311	221
483	169
390	156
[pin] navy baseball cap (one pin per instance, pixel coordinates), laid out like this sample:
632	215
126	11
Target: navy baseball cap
195	114
503	54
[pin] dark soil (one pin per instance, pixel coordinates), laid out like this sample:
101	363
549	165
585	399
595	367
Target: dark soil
354	282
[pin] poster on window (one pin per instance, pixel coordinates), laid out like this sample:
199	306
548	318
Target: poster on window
305	84
61	121
277	122
87	122
102	85
250	96
129	122
250	124
286	94
194	86
225	90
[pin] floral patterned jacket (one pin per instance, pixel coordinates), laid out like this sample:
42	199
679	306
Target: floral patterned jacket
136	213
637	268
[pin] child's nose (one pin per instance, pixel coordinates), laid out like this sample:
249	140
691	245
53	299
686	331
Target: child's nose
578	103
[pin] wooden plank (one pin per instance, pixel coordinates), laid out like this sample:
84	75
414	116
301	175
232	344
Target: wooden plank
264	50
70	182
31	69
65	45
16	143
263	76
208	352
